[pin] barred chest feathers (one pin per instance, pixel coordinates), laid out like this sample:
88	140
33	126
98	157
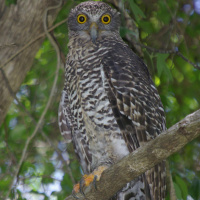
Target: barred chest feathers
91	108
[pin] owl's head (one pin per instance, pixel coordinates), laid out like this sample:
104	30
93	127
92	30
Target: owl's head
93	19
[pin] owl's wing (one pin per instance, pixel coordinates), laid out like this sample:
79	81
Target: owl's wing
136	105
64	117
133	94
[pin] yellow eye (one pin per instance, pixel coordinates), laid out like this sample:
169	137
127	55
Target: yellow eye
105	19
81	19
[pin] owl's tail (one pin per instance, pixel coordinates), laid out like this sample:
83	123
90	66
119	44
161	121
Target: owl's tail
149	186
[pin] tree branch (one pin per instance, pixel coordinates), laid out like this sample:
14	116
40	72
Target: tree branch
170	51
144	158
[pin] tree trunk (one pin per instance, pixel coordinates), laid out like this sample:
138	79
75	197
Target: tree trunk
19	24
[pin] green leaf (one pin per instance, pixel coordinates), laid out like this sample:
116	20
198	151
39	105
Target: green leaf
49	168
194	190
178	191
146	26
34	183
138	13
9	2
124	31
162	66
163	13
183	187
27	167
4	184
66	183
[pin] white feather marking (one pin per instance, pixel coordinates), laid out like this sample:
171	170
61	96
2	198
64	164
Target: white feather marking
102	104
136	123
120	147
119	101
133	105
64	93
85	80
85	94
161	108
113	80
90	58
103	76
134	90
126	108
153	87
137	113
79	70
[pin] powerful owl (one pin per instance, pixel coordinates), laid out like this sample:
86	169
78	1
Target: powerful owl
109	105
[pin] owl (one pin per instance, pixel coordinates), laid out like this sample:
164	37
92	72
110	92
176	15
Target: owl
109	105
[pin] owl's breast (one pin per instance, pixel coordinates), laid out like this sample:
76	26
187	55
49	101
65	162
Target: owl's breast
101	126
94	98
92	108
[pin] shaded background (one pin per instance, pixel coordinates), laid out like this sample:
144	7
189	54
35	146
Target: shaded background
50	167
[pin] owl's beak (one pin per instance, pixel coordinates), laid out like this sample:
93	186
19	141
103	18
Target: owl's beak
93	31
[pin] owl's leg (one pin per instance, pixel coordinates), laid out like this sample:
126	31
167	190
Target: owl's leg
89	178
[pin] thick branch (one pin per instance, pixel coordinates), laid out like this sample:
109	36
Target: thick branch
144	158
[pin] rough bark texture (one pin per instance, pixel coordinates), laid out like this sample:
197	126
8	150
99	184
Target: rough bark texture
19	24
144	158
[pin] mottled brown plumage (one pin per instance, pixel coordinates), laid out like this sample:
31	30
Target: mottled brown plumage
109	105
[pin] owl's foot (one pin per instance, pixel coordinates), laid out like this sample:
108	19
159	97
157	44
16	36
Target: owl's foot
88	179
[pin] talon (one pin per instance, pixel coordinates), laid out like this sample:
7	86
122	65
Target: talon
87	180
74	195
76	188
81	183
94	182
97	172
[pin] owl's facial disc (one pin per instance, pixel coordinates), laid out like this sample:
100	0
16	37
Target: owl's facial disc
93	31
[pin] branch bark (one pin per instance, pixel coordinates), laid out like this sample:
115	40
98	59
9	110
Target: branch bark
18	25
144	158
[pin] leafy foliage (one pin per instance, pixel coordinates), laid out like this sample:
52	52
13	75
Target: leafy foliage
45	172
9	2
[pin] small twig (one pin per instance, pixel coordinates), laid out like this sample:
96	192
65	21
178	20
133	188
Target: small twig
31	42
171	51
187	60
7	45
40	122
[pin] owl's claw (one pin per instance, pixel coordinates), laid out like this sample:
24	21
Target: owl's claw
74	194
94	182
87	180
81	183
